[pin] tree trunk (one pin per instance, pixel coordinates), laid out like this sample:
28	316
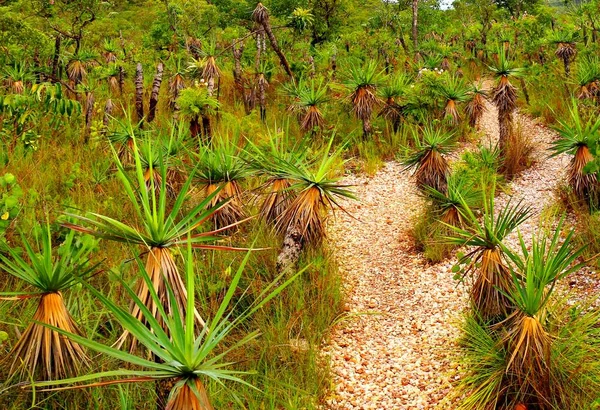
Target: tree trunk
121	80
139	92
206	128
290	251
155	90
89	112
277	50
210	86
194	127
415	20
55	59
567	64
262	97
367	128
238	76
505	120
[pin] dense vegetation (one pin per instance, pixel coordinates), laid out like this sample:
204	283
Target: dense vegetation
168	170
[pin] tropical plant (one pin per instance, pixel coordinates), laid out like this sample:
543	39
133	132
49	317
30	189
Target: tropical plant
277	187
577	137
161	227
486	262
308	98
17	76
588	77
454	91
450	206
50	272
391	110
427	158
79	64
221	170
196	105
565	48
184	353
475	107
362	82
504	96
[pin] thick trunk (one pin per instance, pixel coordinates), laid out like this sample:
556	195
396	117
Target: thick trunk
155	90
139	92
567	64
291	250
55	59
415	20
210	86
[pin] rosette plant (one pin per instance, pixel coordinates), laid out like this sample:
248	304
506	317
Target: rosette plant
160	226
184	353
49	272
577	137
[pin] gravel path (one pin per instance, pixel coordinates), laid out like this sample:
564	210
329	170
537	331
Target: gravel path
394	351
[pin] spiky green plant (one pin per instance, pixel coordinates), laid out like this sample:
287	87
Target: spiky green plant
17	76
577	136
454	91
264	161
317	193
50	272
588	77
450	206
427	158
362	82
222	168
162	225
308	99
185	353
79	64
391	110
486	262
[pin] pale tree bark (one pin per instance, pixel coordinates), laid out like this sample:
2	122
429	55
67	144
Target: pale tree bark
291	250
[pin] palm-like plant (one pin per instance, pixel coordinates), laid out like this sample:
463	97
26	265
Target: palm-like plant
454	91
194	104
221	170
277	191
504	96
110	50
527	336
392	110
315	194
176	82
78	65
565	48
588	78
50	272
362	83
161	230
451	205
184	353
475	107
486	262
307	101
431	167
576	138
17	76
